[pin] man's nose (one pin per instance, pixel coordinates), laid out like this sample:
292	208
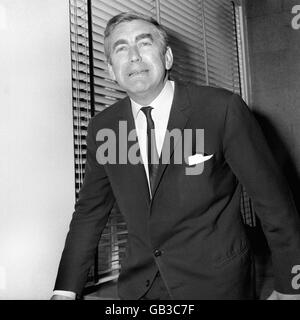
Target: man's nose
134	54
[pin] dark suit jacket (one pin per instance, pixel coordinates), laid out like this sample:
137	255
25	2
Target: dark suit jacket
191	230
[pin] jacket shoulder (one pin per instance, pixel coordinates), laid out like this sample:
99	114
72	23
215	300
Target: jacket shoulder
108	115
209	94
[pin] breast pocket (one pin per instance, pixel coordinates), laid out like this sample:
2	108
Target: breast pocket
198	163
195	163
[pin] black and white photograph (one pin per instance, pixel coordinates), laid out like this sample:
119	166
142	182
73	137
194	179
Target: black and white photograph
150	151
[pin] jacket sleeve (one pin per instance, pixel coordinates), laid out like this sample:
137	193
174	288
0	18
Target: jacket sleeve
250	158
89	219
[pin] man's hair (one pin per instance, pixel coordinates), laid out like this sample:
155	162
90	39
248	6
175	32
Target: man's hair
127	17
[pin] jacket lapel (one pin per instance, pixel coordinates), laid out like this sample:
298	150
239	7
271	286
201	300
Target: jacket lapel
179	115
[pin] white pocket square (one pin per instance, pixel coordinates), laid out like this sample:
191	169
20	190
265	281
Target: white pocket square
198	158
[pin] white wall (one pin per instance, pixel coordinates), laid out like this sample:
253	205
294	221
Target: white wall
36	145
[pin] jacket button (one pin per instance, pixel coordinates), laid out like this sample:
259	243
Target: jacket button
157	253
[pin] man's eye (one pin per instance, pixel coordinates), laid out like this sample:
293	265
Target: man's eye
145	43
120	48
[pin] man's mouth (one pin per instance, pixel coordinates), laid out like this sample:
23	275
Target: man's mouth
137	73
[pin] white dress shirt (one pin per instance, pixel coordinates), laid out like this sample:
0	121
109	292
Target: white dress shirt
161	111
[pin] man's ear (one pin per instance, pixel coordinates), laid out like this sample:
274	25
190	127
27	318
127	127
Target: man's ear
168	58
111	71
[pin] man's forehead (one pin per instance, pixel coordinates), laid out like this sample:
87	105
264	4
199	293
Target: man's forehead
136	27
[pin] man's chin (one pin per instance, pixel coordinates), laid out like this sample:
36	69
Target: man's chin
137	87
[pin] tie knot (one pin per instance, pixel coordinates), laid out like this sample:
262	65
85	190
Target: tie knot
147	111
150	122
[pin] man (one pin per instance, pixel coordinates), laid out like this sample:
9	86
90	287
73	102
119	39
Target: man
186	239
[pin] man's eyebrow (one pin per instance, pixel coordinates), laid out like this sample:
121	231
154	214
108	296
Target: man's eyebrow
144	36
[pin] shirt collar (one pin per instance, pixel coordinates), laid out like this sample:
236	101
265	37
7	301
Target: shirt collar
165	97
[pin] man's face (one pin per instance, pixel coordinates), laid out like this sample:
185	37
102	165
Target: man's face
137	61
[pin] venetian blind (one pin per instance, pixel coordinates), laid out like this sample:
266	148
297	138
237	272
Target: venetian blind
184	24
205	44
221	44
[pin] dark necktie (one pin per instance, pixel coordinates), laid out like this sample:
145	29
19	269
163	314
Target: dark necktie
153	158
